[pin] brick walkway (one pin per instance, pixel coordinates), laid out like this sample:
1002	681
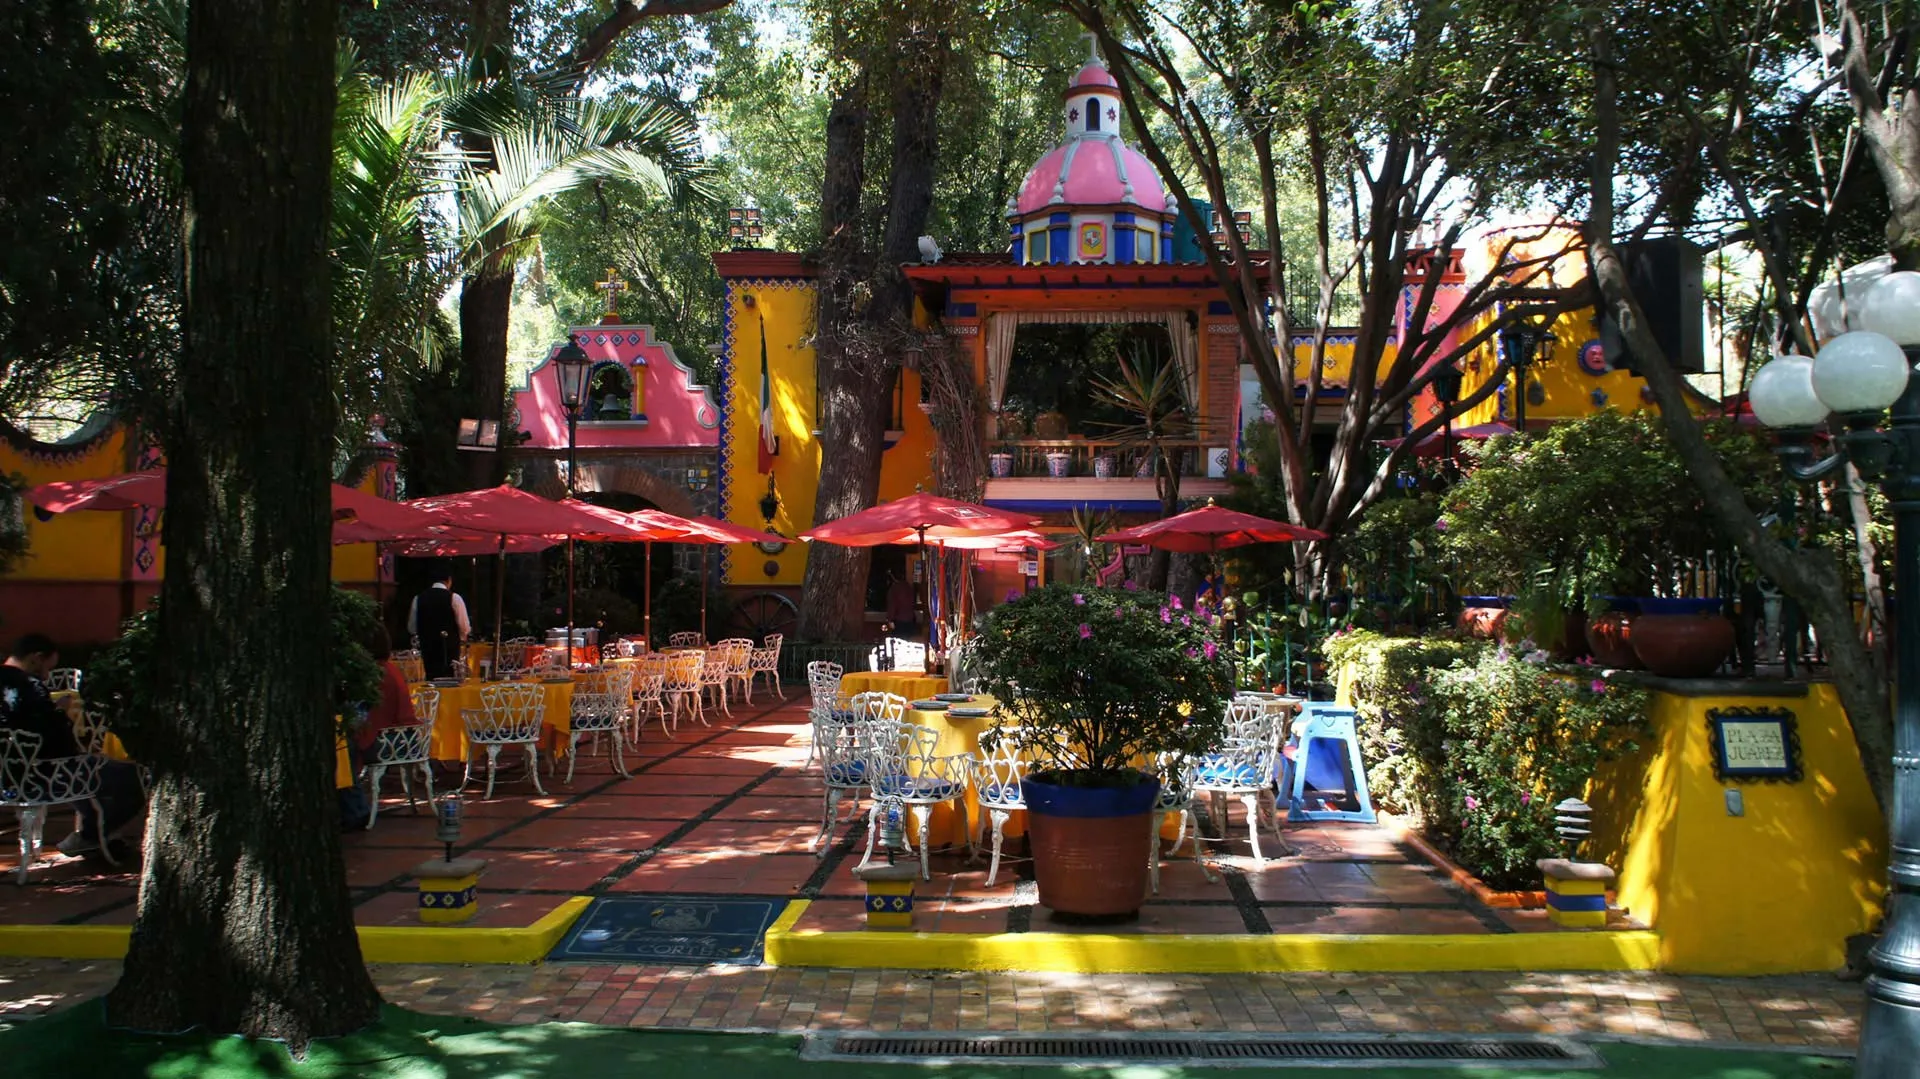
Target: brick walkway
1799	1011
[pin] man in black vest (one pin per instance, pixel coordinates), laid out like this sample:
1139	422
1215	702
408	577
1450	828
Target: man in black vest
438	623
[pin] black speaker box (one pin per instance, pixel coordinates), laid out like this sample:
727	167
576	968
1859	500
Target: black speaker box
1668	278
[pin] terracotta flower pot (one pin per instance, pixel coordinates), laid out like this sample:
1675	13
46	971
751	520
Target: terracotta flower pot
1089	845
1688	645
1484	623
1610	638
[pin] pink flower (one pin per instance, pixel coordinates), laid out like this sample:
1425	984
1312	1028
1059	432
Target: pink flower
1174	601
1012	595
1166	616
1597	686
1079	600
1086	631
1526	798
1211	650
1440	525
1119	612
1186	621
1131	586
1193	653
1472	802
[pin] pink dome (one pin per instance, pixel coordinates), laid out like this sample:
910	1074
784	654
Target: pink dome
1097	174
1094	74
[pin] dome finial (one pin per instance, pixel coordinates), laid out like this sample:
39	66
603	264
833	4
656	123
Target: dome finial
1093	49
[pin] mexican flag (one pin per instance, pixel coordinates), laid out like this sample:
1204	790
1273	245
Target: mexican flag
769	442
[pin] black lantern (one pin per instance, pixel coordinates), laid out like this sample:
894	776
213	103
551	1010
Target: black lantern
1524	340
770	502
570	365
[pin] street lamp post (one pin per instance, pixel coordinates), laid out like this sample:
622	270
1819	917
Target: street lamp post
1446	390
570	369
1520	342
1857	376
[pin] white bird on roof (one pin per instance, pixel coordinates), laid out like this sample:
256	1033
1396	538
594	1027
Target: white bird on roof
929	251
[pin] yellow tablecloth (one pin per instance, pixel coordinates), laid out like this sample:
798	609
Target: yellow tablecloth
113	750
912	686
961	734
449	741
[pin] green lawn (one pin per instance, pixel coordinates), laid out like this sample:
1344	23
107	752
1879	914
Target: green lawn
408	1045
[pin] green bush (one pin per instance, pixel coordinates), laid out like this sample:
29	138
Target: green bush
120	680
1479	744
1099	678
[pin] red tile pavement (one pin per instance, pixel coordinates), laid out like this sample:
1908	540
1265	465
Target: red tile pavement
732	809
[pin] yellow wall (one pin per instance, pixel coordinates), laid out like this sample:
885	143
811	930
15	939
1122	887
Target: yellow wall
1778	889
787	308
71	546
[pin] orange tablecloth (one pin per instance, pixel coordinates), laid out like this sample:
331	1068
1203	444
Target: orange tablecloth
449	740
908	684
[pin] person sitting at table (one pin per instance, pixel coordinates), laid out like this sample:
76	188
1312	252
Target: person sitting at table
437	622
393	709
26	706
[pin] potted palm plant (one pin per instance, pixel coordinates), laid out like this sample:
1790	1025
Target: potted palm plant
1095	685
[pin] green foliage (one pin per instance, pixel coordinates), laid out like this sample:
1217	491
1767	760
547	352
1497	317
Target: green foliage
13	524
122	679
1395	564
1480	744
1100	678
1591	507
1279	642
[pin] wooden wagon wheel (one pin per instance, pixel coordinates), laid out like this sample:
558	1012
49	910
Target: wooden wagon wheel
762	613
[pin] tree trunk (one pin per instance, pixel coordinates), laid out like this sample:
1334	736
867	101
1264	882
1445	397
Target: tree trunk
856	355
244	923
1811	578
833	595
486	306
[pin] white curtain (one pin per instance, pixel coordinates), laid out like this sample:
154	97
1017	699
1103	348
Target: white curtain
1000	329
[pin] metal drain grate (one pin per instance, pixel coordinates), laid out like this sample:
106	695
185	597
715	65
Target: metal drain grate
1207	1050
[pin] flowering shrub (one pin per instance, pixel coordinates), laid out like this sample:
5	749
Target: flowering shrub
1481	743
1099	679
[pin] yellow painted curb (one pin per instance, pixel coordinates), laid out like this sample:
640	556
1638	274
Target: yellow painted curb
1210	953
378	943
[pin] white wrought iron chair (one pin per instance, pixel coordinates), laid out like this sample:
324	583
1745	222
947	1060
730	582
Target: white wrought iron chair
602	703
412	668
681	687
64	679
31	785
1242	767
548	663
1176	796
514	658
687	639
907	655
714	675
510	714
739	652
903	767
823	685
628	647
649	696
766	661
996	776
844	742
404	748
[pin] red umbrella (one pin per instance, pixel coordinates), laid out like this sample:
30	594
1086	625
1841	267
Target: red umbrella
921	518
1211	529
1435	444
503	512
472	547
358	517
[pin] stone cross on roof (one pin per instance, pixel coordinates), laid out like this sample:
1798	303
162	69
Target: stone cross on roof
613	286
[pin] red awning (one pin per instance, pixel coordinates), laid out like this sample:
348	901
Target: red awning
1211	528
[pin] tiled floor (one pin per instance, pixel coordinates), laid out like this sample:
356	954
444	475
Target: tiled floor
1791	1011
732	810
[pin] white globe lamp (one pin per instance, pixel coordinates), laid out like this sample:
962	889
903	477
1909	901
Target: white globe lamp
1892	308
1860	372
1782	393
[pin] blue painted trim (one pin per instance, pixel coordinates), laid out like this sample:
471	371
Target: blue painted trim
1123	245
1057	245
1059	219
1083	803
1121	217
1577	903
963	310
1219	307
1166	248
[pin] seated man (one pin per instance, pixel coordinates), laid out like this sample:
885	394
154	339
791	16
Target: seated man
26	706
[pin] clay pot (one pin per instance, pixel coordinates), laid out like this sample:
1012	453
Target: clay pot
1610	638
1088	844
1484	623
1682	645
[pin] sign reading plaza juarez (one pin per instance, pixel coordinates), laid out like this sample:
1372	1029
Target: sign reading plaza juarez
1754	744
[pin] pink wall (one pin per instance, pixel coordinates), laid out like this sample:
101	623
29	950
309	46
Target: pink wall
680	413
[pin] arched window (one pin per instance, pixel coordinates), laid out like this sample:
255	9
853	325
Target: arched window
1093	114
609	393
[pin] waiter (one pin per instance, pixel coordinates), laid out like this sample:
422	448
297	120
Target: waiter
437	622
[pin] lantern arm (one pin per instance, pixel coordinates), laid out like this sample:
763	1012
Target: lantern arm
1798	459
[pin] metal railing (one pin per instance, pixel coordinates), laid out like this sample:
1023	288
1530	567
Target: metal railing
1068	457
